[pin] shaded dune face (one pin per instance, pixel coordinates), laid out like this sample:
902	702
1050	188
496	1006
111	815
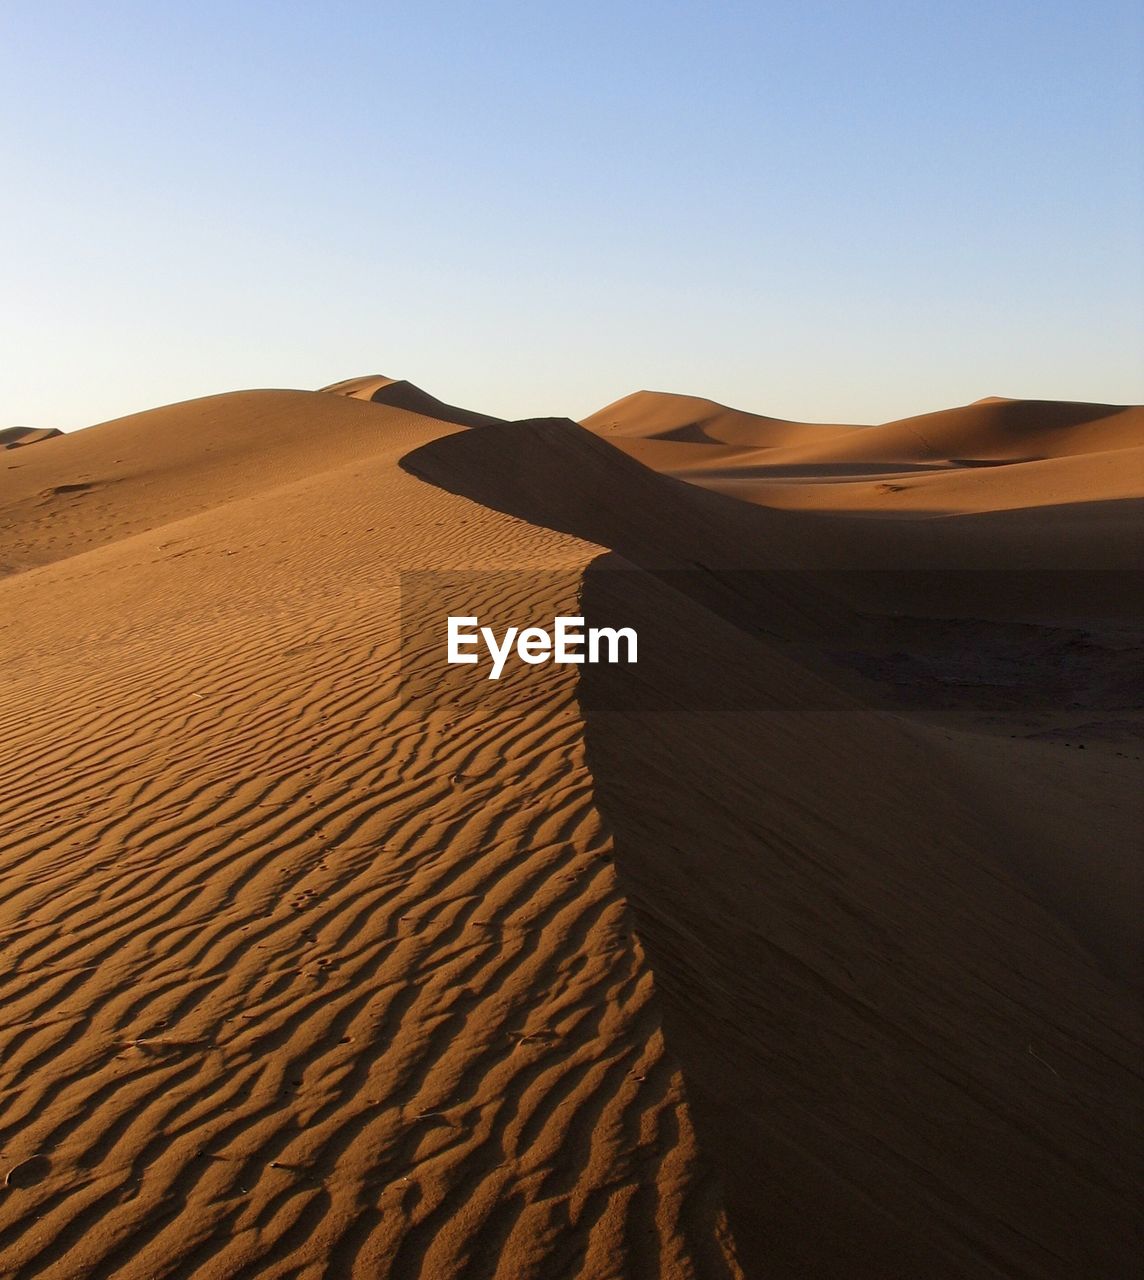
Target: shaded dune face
869	997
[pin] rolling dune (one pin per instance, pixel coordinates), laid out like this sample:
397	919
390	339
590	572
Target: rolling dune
658	415
994	455
791	951
16	437
404	395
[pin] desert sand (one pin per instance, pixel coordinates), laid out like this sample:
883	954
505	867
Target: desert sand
808	947
14	437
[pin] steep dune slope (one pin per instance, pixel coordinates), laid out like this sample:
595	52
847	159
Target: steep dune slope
399	394
908	1061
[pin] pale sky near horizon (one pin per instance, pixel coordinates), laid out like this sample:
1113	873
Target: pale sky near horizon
828	211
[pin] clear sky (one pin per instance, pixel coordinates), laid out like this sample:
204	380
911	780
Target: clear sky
847	210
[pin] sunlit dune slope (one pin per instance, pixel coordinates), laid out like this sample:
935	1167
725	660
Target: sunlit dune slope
989	432
1001	431
1054	484
400	394
302	974
98	486
1107	476
663	416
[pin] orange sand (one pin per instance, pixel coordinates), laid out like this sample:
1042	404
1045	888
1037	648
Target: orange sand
804	949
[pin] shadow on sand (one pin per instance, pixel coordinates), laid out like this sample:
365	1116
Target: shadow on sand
899	1060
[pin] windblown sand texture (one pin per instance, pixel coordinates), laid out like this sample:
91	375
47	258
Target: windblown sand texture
806	948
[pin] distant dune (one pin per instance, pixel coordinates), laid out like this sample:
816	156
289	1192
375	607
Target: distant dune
15	437
658	415
404	395
806	947
994	455
994	432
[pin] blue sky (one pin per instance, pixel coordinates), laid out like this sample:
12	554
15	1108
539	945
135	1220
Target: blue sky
831	211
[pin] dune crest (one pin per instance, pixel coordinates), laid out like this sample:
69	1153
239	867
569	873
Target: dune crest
400	394
663	415
18	437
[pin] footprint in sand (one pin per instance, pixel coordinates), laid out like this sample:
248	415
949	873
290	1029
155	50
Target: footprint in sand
28	1172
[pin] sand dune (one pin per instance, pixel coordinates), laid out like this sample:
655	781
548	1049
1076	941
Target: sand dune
404	395
877	920
15	437
992	432
660	415
297	973
1105	476
1058	484
795	950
